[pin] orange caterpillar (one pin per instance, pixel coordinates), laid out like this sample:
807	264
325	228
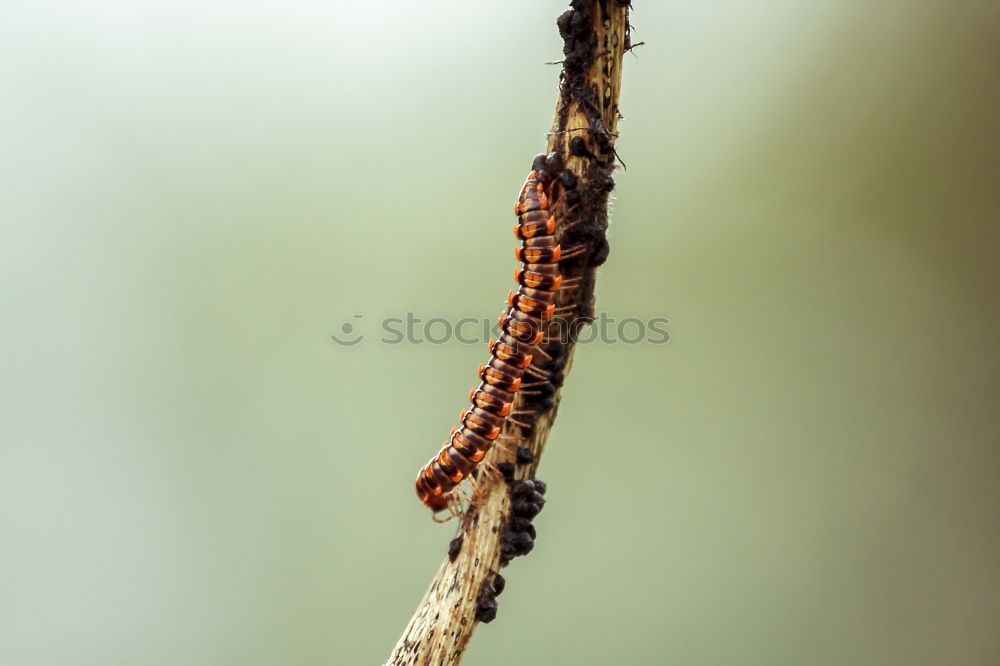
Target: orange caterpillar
522	330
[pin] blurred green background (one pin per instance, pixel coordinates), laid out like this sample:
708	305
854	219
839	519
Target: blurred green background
196	195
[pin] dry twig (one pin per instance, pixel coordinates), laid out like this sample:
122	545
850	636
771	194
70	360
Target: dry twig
497	527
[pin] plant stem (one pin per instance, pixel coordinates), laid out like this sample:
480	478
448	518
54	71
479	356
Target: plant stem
464	590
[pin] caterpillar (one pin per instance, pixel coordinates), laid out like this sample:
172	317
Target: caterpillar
521	332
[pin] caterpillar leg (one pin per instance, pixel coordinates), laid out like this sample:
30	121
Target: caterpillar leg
526	418
453	510
567	227
495	472
535	372
497	475
505	446
571	283
466	489
573	251
542	352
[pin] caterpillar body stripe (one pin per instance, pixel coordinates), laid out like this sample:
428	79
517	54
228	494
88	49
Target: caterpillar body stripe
511	354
